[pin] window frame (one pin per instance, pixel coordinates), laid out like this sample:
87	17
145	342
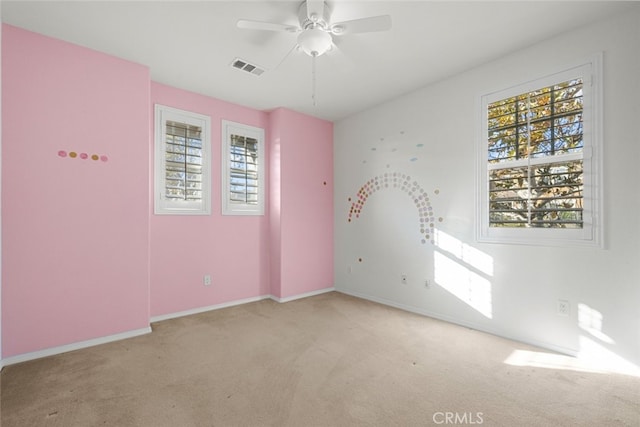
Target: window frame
163	206
591	232
232	128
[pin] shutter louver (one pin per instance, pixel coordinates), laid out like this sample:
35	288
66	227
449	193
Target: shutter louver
535	158
183	161
243	170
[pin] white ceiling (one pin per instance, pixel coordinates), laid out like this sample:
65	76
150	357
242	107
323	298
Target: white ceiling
191	44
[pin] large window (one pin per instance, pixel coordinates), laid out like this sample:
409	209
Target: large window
243	169
539	158
182	165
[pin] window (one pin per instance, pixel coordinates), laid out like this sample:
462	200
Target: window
539	161
242	169
182	171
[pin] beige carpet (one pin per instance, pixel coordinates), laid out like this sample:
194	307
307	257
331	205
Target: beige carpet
329	360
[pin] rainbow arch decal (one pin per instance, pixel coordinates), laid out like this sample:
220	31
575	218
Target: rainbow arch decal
402	182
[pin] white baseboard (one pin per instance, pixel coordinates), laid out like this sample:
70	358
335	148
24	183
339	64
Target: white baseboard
204	309
74	346
559	349
130	334
208	308
305	295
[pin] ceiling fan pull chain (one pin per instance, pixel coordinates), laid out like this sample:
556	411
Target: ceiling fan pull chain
313	78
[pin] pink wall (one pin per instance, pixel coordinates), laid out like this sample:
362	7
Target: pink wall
74	231
305	223
276	126
232	249
84	256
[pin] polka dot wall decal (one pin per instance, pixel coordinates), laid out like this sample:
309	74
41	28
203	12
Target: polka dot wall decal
403	183
413	159
83	156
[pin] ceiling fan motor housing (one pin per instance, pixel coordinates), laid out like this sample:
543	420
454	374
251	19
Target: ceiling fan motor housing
320	21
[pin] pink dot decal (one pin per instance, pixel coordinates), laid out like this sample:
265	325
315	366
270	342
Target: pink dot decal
83	156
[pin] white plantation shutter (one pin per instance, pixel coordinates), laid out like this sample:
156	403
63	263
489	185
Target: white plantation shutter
535	150
183	161
539	180
242	169
182	166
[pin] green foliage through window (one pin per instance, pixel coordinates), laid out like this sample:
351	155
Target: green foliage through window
535	163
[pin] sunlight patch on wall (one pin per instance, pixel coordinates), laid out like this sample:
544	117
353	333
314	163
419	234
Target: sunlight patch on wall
461	270
592	355
464	252
590	320
468	286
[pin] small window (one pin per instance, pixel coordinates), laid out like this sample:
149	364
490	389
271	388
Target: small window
539	161
242	169
182	165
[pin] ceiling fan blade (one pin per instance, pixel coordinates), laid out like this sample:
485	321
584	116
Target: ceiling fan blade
363	25
266	26
315	10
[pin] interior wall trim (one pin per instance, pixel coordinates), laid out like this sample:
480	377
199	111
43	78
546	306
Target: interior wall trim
304	295
74	346
199	310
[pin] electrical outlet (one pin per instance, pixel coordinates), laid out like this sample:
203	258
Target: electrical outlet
564	308
427	283
403	279
206	280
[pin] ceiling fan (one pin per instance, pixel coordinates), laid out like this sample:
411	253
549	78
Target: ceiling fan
316	30
315	27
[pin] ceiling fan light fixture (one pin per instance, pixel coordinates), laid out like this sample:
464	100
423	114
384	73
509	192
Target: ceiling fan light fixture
315	41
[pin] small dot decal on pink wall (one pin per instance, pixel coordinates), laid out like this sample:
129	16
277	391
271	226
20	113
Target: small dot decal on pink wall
83	156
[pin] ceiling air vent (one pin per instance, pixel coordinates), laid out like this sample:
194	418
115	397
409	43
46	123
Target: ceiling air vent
243	65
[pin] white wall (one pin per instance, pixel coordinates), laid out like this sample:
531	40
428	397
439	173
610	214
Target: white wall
430	135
